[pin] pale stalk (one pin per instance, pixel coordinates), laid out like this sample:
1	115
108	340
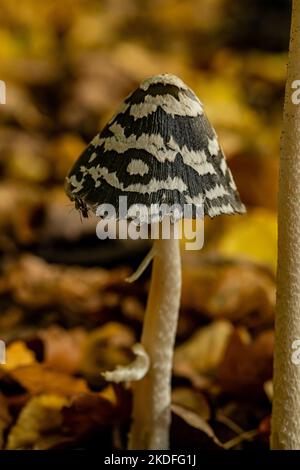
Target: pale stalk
286	402
152	395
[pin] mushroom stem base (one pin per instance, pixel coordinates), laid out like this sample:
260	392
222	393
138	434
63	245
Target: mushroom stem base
152	395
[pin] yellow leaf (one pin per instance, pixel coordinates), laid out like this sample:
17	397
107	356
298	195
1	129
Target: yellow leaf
17	354
41	415
253	236
203	352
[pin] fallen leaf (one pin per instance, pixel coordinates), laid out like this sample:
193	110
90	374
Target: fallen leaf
247	364
62	348
87	413
237	291
237	440
195	421
40	416
203	351
253	237
5	419
38	379
17	355
37	284
192	400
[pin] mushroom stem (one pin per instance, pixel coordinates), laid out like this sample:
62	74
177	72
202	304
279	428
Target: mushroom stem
286	401
152	395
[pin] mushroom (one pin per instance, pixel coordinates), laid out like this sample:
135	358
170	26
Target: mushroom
286	400
159	148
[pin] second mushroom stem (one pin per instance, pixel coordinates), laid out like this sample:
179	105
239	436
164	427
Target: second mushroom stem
152	395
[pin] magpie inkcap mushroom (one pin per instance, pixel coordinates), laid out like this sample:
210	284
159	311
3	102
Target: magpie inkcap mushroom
158	148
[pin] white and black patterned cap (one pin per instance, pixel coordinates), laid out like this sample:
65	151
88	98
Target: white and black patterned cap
159	148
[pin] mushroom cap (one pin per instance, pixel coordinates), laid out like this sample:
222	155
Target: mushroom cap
159	148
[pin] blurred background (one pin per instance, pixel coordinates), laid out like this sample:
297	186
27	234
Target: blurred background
64	307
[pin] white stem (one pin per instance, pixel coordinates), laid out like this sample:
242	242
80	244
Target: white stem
286	402
152	395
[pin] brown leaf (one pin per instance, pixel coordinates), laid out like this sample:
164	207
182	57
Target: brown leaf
261	189
86	413
5	419
62	221
236	291
62	348
247	364
37	284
